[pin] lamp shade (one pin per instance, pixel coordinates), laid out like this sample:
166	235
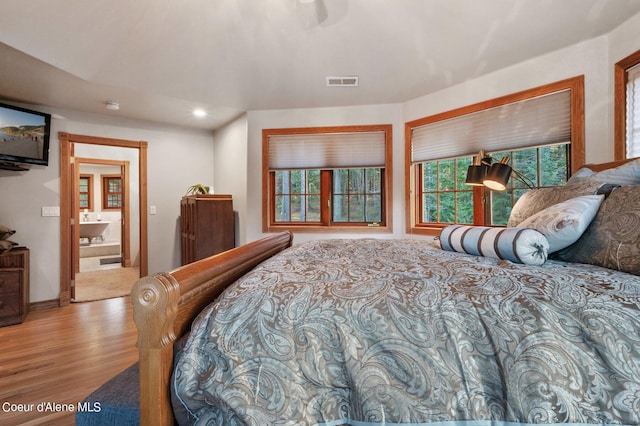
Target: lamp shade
497	177
478	170
476	174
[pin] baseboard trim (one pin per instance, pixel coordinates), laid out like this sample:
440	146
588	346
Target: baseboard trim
45	304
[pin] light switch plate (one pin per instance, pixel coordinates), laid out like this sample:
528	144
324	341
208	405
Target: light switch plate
50	211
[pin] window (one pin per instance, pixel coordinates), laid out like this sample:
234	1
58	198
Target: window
544	166
297	196
627	107
111	192
445	198
538	130
85	188
357	196
327	177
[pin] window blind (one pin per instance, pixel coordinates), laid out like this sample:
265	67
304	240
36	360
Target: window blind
633	112
327	150
532	122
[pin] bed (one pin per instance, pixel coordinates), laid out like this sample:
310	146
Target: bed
377	331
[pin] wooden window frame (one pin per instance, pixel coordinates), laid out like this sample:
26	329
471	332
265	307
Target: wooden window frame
422	191
620	104
105	191
364	195
326	202
326	225
304	194
577	160
90	194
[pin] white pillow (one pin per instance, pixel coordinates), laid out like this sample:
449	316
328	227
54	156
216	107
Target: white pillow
565	222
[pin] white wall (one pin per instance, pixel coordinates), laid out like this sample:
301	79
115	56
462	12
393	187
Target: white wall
22	194
177	158
231	172
313	117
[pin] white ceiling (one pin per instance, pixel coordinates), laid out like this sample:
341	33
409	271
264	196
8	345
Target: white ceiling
159	59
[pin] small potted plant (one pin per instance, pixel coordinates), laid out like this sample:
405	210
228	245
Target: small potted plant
197	189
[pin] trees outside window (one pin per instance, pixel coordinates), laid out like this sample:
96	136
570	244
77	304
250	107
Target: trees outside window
334	178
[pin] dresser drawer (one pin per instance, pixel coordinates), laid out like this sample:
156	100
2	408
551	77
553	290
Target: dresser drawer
14	286
10	304
12	259
9	281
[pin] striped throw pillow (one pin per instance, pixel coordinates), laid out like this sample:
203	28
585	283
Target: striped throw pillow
520	245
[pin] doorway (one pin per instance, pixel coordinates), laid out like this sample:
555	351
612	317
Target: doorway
103	254
70	212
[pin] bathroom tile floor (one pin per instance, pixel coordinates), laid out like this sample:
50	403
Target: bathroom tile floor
93	263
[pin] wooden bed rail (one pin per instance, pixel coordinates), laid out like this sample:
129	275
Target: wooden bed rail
165	304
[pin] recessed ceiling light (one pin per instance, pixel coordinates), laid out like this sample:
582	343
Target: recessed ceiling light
113	106
199	112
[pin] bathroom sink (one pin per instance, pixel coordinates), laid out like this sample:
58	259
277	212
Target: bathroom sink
92	229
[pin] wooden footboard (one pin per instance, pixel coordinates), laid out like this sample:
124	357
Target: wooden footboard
165	304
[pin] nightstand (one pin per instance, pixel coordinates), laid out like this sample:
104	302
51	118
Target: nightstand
14	286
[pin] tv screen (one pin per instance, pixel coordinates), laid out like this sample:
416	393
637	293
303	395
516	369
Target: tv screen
24	137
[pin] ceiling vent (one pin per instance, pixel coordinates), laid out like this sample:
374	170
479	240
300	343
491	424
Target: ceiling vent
350	81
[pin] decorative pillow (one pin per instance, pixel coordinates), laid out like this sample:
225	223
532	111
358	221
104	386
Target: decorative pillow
5	232
606	189
535	200
565	222
613	238
580	174
5	246
625	174
518	245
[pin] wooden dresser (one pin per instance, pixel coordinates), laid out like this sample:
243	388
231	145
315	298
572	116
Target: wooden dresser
14	286
206	226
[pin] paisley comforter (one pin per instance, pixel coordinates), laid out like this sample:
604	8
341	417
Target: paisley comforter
366	332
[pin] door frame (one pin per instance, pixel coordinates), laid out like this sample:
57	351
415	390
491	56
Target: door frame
125	210
67	201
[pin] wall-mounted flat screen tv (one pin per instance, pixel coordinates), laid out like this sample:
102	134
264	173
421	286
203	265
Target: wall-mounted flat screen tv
24	137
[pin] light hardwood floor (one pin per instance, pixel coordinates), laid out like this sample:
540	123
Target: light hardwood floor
105	284
59	356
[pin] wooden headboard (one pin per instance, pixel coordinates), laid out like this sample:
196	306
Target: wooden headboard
165	304
611	164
